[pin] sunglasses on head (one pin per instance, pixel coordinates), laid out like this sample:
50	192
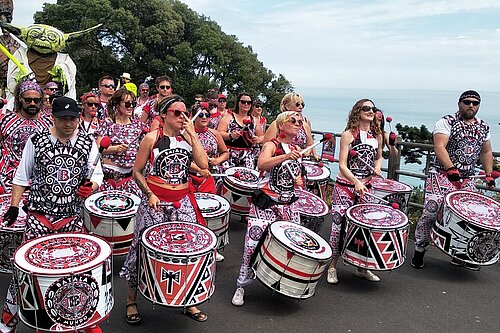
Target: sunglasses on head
366	108
204	115
246	102
294	121
108	85
469	102
130	104
28	100
297	104
90	104
177	113
164	87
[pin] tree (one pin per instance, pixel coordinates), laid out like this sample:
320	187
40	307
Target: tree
161	37
414	134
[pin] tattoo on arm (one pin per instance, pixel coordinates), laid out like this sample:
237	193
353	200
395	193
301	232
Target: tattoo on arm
141	182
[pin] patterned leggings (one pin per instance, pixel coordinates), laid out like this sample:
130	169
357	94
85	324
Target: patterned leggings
258	221
437	186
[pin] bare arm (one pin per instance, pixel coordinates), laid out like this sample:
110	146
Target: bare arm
223	127
486	157
17	194
140	163
267	160
271	133
221	147
440	142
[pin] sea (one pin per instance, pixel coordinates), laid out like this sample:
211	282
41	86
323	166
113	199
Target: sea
328	110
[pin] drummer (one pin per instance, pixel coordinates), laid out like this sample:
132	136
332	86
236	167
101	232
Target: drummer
88	121
460	139
57	190
166	156
280	160
211	140
125	132
363	136
294	102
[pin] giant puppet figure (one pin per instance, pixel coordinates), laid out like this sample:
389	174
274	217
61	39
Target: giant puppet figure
42	59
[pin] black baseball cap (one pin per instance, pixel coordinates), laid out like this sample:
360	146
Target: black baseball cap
65	107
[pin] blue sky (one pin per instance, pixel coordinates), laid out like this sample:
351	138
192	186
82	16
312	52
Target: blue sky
391	44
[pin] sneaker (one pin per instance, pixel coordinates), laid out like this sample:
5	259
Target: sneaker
219	257
238	297
332	276
367	274
418	259
458	262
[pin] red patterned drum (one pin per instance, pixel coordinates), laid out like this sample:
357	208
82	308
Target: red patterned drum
469	228
312	210
177	264
317	178
238	190
111	215
215	209
65	282
292	259
392	191
376	237
11	236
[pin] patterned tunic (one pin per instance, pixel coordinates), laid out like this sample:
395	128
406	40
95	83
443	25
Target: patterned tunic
240	148
365	145
122	134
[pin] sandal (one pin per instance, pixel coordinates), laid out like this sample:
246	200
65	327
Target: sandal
135	318
198	316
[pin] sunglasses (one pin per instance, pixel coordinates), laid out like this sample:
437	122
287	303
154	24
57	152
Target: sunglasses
297	104
212	105
367	108
164	87
53	89
108	85
92	104
222	100
204	115
198	100
130	104
144	90
177	113
28	100
469	102
259	106
294	121
246	102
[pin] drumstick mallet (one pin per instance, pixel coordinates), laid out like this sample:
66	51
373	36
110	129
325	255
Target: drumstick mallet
394	205
494	175
392	135
235	175
326	137
104	144
354	153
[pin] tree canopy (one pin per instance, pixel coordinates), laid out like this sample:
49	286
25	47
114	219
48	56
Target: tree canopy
162	37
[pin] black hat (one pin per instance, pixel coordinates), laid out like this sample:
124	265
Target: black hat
65	106
470	94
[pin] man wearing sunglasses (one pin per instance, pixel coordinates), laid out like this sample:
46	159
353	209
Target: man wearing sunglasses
164	88
16	127
106	90
460	139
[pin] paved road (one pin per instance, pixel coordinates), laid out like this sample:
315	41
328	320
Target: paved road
438	298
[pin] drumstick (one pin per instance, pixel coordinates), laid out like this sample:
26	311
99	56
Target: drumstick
104	144
392	135
193	119
235	175
144	130
326	137
494	175
394	205
354	153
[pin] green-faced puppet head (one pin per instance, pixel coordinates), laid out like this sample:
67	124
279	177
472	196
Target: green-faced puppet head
43	38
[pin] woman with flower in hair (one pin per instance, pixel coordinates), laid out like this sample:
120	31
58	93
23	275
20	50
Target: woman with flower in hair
125	133
360	158
280	161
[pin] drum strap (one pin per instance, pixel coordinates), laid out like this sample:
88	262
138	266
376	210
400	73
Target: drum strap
59	224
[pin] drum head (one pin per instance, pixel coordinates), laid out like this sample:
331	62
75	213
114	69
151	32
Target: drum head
310	204
475	208
212	205
247	178
389	185
315	172
60	254
113	204
18	226
301	240
377	216
179	239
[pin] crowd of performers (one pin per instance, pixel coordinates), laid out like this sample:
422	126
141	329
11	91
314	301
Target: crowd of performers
164	151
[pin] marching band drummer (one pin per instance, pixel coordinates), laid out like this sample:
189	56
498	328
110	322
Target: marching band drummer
166	156
459	140
56	163
280	160
125	132
360	157
211	140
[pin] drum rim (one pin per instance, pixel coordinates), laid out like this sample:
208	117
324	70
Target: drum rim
106	253
225	203
466	218
374	184
325	205
326	171
321	239
111	215
230	180
199	253
394	227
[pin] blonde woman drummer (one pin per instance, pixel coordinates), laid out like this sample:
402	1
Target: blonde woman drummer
166	156
280	162
360	157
